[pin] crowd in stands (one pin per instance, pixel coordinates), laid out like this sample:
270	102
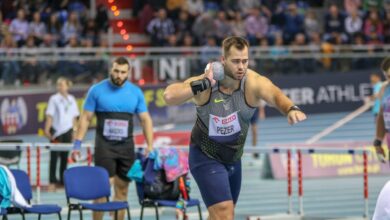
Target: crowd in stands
276	23
35	24
336	21
204	23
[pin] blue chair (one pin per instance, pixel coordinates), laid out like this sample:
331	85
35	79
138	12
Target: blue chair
147	202
24	186
3	211
90	183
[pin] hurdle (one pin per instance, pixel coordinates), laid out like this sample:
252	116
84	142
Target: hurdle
56	147
309	150
290	151
37	147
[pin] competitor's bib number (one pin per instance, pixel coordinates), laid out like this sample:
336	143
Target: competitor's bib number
224	126
115	129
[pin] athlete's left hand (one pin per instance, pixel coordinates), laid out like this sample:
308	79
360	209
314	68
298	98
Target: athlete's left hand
295	116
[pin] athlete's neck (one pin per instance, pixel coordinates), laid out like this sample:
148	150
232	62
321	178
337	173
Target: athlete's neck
229	85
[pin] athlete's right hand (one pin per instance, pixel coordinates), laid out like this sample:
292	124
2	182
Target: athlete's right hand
75	154
208	73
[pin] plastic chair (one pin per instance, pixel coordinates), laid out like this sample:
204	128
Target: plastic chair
90	183
3	211
24	186
147	202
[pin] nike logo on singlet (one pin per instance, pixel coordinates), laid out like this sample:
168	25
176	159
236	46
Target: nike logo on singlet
218	100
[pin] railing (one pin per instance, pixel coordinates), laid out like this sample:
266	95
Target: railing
291	152
154	65
157	52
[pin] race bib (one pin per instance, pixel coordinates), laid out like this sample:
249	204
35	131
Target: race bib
115	129
224	126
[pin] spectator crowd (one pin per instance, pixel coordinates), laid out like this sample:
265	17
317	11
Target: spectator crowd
35	24
273	25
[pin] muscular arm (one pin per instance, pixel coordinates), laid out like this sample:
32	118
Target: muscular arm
85	119
147	128
179	93
380	125
272	94
262	88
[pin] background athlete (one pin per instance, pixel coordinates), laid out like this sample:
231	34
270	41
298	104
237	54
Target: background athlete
115	101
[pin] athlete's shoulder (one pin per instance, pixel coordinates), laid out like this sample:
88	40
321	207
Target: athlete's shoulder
97	88
255	77
132	86
102	85
253	73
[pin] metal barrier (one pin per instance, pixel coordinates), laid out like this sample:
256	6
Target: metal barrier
28	147
313	149
162	64
290	151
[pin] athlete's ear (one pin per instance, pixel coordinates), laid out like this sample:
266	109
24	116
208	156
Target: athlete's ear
223	60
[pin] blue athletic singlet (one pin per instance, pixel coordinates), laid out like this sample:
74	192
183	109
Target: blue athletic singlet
114	107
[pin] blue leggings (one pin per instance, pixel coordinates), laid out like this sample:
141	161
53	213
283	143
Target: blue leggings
217	182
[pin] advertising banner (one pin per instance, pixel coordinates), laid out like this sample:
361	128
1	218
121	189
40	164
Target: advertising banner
324	93
323	165
23	112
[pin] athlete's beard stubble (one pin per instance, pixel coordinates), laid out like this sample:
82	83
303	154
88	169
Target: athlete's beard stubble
118	81
229	73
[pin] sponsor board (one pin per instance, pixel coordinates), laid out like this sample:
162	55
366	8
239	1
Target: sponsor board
325	165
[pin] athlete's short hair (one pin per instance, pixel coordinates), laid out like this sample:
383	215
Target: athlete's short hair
122	61
238	42
385	66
